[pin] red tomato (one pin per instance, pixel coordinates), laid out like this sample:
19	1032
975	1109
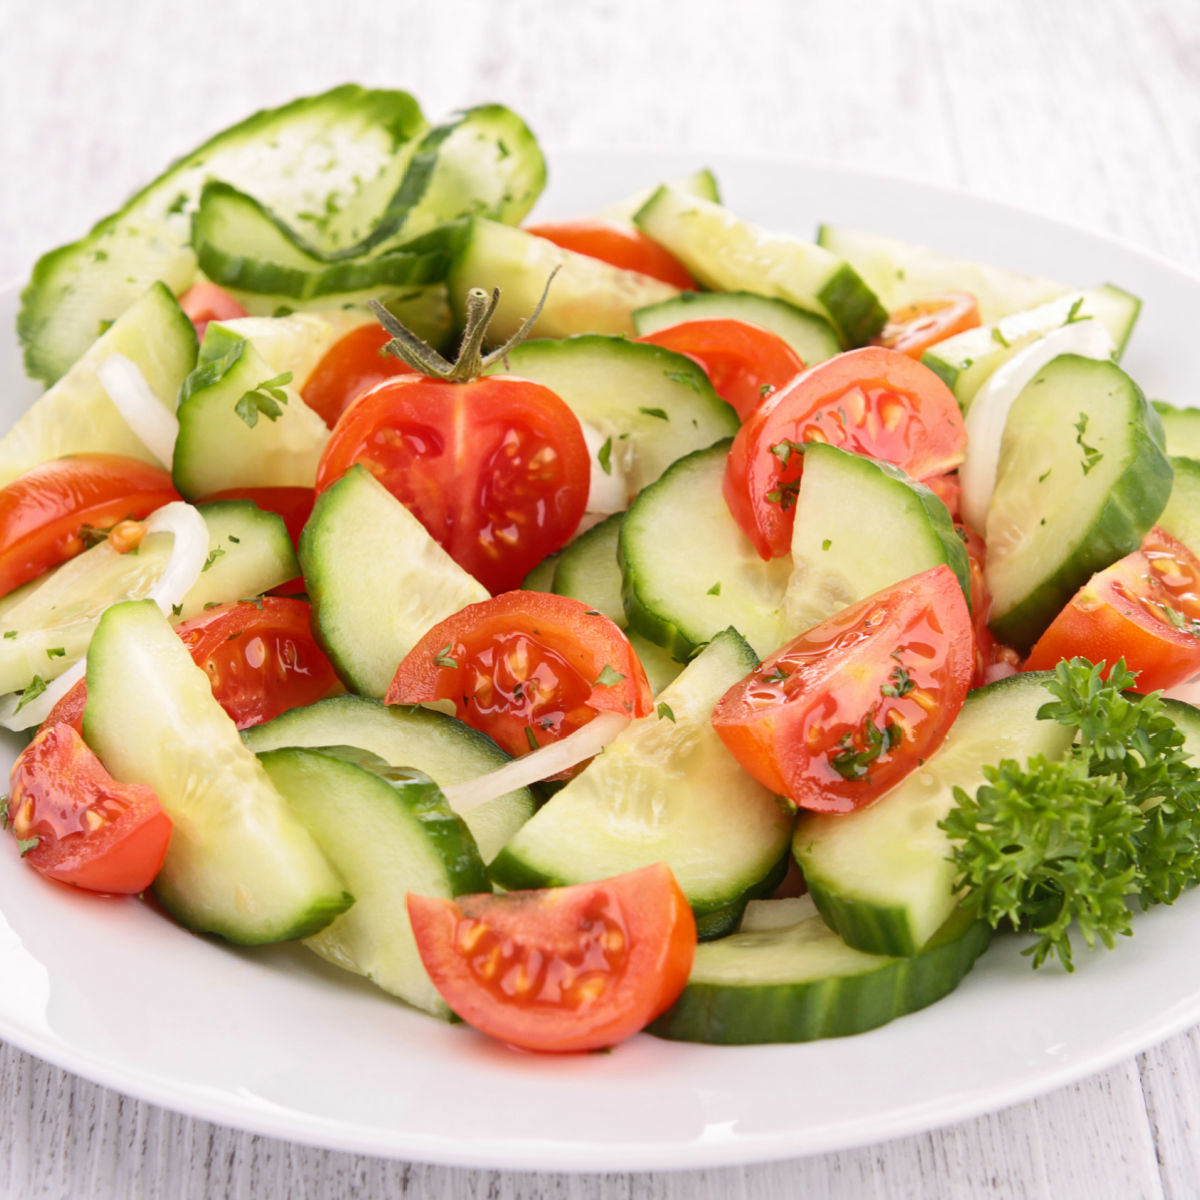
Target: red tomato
745	363
618	244
948	490
88	830
350	366
497	469
870	401
572	968
43	513
526	668
204	302
915	327
845	711
1145	608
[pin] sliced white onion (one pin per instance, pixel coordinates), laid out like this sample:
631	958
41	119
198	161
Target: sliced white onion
608	491
539	764
147	416
189	552
38	709
989	409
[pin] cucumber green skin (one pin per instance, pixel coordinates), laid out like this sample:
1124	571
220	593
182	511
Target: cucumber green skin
587	569
541	578
76	269
1181	517
1135	500
751	1013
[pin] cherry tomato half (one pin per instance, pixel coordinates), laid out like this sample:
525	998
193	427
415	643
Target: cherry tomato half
915	327
1144	608
204	302
845	711
526	668
871	401
45	514
349	367
745	363
497	469
618	244
80	826
563	969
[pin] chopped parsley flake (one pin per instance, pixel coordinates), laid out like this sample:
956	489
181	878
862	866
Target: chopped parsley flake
608	677
660	413
604	457
443	659
55	652
715	590
265	400
213	555
664	710
1091	456
37	685
27	844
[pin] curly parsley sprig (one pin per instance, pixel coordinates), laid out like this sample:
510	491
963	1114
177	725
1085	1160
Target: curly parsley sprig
1049	845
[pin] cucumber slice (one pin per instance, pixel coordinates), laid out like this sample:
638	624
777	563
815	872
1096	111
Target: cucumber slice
391	832
1181	517
882	876
239	864
1181	428
689	571
587	295
360	142
376	579
811	336
665	790
862	526
726	254
799	981
76	415
966	361
655	406
541	578
218	447
901	273
445	749
1082	477
702	183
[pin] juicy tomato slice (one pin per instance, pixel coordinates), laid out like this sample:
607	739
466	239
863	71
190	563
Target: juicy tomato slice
526	668
349	367
48	514
1144	608
564	969
204	302
871	401
79	825
745	363
497	469
845	711
618	244
915	327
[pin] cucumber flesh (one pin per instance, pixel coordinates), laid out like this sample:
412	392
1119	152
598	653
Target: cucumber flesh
665	790
391	832
441	746
1181	517
1082	477
238	864
701	183
1181	428
881	876
798	981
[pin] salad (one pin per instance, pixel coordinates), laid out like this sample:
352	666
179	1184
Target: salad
750	611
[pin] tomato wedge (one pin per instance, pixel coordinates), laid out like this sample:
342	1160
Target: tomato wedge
526	668
618	244
496	469
745	363
77	824
204	302
351	366
1144	608
845	711
50	513
563	969
915	327
871	401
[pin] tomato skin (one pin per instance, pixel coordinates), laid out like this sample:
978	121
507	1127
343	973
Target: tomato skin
524	666
351	366
845	711
1121	612
618	244
93	832
745	363
204	302
43	510
915	327
562	969
870	401
497	470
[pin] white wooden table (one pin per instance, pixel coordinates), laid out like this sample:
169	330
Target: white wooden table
1088	111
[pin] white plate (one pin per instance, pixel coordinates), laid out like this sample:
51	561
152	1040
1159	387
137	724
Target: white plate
275	1042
